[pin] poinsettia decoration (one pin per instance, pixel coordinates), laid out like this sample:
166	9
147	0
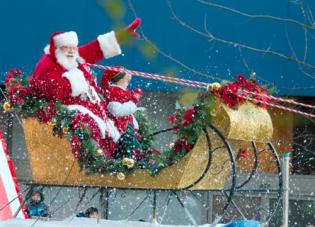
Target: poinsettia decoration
189	122
242	153
236	93
14	84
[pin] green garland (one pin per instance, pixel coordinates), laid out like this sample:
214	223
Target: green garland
188	123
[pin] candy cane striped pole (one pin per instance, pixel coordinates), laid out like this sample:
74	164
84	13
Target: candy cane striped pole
9	188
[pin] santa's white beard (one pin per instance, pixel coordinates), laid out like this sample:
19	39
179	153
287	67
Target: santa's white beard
65	61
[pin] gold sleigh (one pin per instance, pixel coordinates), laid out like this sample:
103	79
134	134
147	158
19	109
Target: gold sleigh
207	166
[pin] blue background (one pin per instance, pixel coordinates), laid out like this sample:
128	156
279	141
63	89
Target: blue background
26	27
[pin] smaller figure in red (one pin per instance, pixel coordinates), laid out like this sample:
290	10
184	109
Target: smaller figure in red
122	103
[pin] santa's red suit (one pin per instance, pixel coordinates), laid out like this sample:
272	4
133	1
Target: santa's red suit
121	102
75	88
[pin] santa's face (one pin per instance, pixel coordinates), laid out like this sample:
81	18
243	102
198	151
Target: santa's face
70	51
67	56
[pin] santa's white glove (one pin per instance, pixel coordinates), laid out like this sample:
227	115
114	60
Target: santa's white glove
141	109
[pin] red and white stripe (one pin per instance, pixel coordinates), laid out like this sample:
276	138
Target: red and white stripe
10	197
277	99
198	84
277	106
189	83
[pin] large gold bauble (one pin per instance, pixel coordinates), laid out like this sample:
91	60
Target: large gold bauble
7	106
129	162
215	86
125	161
99	151
121	176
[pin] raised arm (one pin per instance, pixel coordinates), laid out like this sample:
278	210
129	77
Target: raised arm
108	45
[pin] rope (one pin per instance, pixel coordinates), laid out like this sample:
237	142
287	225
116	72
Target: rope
277	106
189	83
290	101
203	85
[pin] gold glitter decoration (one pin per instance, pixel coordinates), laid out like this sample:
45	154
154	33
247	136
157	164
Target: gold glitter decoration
7	106
248	122
52	122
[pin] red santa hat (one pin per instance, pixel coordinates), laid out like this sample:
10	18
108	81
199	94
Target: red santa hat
111	76
59	39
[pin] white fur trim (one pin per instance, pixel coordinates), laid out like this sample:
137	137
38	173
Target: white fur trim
116	85
135	122
109	44
121	109
103	126
46	49
66	39
78	82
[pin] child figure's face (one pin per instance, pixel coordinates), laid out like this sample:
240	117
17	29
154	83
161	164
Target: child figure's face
124	82
36	197
93	215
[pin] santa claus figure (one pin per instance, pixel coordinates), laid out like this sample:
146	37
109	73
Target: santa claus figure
121	102
61	74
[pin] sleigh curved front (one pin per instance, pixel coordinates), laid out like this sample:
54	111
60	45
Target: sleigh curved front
52	162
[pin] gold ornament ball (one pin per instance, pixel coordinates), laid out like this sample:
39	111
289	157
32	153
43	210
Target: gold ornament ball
121	176
125	161
7	106
131	163
99	151
65	130
215	86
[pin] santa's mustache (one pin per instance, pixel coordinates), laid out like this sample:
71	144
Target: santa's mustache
68	61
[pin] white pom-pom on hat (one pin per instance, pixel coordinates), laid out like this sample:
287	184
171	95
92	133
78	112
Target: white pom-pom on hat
46	49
